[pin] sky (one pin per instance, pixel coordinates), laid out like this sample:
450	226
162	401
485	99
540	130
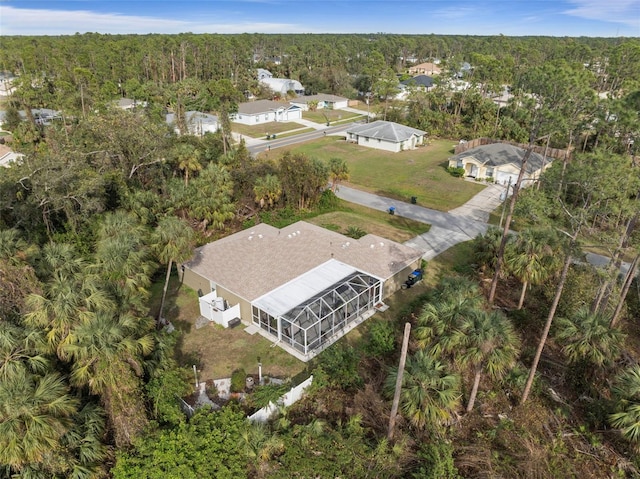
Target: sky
593	18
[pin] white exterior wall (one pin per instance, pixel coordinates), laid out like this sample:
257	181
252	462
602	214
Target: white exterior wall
267	116
378	144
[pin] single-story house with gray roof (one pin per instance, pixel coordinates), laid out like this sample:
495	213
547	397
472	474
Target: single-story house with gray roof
198	123
302	287
386	135
323	101
265	111
500	161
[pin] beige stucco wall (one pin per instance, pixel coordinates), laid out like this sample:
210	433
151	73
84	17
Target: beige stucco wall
394	283
195	281
232	299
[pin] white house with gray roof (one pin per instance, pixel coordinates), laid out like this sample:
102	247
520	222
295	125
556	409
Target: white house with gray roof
500	161
323	101
302	287
386	135
197	122
265	111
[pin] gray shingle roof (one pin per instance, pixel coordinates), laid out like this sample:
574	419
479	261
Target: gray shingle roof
420	80
261	106
385	130
255	261
498	154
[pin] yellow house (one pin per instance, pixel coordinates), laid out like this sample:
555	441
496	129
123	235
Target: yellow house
501	163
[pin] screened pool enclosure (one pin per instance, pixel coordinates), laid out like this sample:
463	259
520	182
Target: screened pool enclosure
318	307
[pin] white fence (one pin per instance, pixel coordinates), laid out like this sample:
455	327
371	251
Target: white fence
264	414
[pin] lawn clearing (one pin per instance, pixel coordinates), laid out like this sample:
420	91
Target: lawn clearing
261	131
394	228
421	172
217	351
324	116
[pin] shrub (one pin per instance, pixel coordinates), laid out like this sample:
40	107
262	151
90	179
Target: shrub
381	339
457	172
355	232
238	380
340	363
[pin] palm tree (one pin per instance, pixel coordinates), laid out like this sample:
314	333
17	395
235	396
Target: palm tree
35	413
588	336
454	300
65	302
339	171
106	357
487	343
122	260
532	258
485	248
430	395
627	389
267	190
188	160
173	242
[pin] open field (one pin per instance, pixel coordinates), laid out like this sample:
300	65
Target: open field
421	172
322	116
371	221
261	131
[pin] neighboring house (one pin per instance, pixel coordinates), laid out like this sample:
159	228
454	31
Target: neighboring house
420	82
198	123
425	69
129	104
280	86
501	162
386	135
8	156
43	116
265	111
302	287
323	101
262	74
423	82
6	83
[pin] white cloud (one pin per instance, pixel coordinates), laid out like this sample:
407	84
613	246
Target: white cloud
626	12
24	21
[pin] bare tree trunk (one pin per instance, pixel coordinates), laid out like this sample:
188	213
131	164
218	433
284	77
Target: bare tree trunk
547	326
474	389
505	231
396	396
523	294
625	289
164	292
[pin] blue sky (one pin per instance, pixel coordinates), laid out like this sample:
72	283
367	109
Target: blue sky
610	18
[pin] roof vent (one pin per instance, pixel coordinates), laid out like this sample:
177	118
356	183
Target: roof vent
381	243
250	238
289	236
260	236
372	246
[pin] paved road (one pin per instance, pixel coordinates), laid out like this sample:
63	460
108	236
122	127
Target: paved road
447	229
256	146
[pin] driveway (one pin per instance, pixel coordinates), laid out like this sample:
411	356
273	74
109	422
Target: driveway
447	229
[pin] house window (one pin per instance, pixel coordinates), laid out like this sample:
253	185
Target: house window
489	172
459	164
366	138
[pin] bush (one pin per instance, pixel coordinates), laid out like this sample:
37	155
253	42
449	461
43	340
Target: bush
381	339
340	363
238	380
436	462
457	172
355	232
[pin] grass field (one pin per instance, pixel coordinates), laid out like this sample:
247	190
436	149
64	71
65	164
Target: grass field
371	221
322	116
420	172
261	131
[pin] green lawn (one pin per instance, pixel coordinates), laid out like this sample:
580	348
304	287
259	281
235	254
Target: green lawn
420	173
217	351
394	228
322	116
261	131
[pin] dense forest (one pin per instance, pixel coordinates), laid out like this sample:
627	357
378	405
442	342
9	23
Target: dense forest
523	359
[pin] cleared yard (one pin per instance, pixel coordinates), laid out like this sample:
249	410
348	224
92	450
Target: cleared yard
322	116
261	131
371	221
217	351
421	172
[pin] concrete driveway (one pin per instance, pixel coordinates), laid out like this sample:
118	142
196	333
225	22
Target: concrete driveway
447	229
